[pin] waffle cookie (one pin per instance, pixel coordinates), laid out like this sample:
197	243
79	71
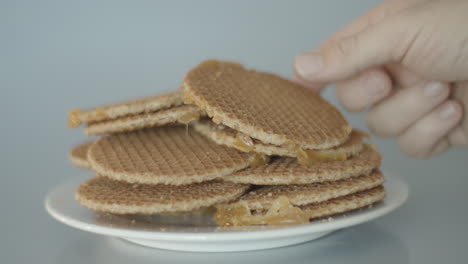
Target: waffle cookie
135	114
224	135
264	106
283	170
180	114
164	155
106	195
78	155
261	198
345	203
282	212
132	107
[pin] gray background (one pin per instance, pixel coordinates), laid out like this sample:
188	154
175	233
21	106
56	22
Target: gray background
57	55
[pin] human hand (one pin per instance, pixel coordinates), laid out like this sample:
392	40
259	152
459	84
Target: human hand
406	61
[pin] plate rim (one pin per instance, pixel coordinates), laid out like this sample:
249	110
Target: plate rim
392	184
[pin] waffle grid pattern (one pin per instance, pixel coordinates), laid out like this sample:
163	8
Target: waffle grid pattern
164	155
265	106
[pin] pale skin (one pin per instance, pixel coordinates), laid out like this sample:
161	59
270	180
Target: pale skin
405	62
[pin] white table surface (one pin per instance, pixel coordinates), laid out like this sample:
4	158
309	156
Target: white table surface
58	55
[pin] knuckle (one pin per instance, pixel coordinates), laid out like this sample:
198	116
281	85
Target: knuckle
445	92
405	40
345	47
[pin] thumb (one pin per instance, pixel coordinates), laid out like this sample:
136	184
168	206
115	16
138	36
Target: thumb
385	42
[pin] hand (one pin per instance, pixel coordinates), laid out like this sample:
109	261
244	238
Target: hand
406	61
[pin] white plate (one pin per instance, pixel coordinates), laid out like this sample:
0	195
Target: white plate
198	233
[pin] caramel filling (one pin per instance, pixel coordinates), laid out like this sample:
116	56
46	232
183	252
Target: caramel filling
189	117
311	157
244	142
362	134
231	215
281	212
259	160
289	145
217	119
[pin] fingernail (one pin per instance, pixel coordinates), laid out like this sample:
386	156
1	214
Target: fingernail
448	111
434	89
308	65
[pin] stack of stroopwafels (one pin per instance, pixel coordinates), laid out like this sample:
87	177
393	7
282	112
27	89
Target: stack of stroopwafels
259	148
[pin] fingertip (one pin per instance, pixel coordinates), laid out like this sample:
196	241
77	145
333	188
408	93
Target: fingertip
308	66
424	137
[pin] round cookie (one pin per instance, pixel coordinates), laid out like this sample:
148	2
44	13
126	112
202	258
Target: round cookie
106	195
345	204
261	199
164	155
132	107
283	213
264	106
283	170
227	136
180	114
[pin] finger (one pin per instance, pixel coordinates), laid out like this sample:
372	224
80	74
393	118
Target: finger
317	87
363	91
422	138
459	136
402	76
382	43
371	17
407	105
